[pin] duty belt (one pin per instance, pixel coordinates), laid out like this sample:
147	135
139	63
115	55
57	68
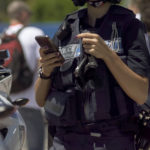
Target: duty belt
91	128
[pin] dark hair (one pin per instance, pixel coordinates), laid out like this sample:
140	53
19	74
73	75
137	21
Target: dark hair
82	2
114	1
79	2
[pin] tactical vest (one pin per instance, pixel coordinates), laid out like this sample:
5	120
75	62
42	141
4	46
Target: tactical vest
96	95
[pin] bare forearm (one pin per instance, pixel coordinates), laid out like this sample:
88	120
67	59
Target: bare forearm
135	86
42	88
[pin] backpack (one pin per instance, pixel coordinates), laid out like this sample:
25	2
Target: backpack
22	74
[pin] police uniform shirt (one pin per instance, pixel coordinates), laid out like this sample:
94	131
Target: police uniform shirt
128	41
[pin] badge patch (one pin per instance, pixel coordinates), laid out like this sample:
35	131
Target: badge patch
70	51
115	45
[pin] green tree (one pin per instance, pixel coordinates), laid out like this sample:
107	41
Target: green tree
3	6
51	10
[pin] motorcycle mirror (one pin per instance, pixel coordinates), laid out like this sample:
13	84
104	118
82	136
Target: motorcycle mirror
20	102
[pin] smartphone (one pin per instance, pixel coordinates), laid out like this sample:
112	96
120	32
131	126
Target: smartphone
45	41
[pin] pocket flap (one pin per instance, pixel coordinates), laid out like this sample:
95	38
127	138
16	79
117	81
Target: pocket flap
55	103
66	66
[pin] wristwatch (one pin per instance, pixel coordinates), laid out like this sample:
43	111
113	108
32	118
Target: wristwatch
42	76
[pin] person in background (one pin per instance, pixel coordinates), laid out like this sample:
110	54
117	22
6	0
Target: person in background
19	14
90	98
144	9
134	6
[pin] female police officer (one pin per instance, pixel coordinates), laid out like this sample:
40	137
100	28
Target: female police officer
90	96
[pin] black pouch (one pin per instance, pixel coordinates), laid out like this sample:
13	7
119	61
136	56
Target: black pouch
64	77
61	108
67	75
143	133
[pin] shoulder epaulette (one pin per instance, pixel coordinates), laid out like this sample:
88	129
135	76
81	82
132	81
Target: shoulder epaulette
76	14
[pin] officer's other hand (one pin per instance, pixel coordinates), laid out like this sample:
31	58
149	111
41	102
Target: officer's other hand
49	61
94	45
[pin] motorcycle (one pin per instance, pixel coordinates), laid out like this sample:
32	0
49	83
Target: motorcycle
12	125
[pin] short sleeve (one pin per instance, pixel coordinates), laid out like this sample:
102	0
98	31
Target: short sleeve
135	44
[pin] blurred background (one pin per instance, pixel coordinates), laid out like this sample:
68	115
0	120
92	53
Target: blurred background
47	14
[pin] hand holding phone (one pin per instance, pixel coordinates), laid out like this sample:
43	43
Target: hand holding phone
45	41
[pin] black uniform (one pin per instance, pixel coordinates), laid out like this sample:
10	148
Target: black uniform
90	109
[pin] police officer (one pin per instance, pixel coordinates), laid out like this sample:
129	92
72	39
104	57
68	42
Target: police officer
90	97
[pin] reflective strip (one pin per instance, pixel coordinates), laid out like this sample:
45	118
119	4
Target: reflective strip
95	134
103	147
70	51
